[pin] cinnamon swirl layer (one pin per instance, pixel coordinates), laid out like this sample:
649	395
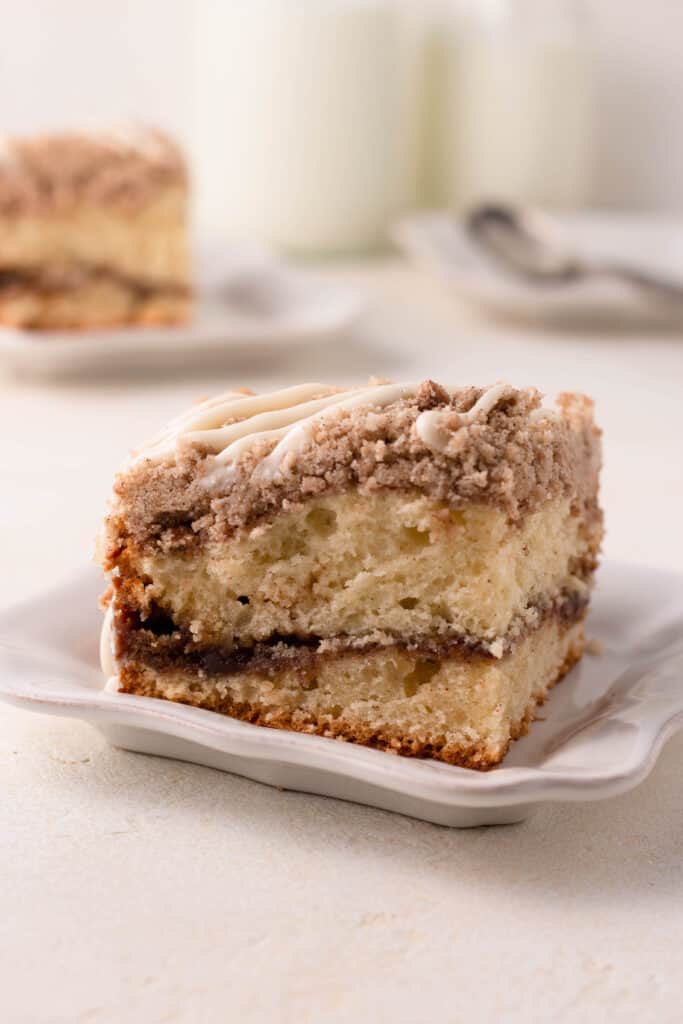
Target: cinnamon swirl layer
452	704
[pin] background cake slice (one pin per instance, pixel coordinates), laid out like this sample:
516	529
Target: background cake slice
406	567
93	230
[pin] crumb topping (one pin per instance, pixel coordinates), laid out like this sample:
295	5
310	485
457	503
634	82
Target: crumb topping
510	457
52	173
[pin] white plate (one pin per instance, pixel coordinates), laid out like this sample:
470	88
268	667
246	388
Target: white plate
438	242
600	733
249	305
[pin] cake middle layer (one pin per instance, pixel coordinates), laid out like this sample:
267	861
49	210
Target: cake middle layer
385	565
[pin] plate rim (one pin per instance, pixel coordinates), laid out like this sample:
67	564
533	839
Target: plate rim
429	781
486	288
339	306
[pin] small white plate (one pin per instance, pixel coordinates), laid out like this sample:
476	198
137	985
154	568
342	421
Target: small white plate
248	305
599	734
439	243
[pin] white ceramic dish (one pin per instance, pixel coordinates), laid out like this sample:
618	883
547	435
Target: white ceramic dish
437	242
601	732
249	306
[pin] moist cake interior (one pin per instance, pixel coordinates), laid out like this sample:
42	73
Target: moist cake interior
409	582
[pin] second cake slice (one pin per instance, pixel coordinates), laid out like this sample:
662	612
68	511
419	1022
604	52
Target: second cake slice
93	230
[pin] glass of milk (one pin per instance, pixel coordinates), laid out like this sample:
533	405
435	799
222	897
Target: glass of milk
515	103
297	122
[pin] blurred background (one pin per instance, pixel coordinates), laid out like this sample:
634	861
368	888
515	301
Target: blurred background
318	133
607	71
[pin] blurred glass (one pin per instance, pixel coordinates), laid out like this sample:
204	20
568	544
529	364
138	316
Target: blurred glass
514	103
298	122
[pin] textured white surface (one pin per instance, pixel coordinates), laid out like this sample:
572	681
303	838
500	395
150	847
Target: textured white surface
143	890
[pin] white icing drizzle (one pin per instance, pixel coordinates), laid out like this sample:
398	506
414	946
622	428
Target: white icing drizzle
544	412
297	437
205	422
432	430
231	423
106	653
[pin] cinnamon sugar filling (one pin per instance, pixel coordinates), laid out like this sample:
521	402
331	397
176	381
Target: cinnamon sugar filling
51	281
159	643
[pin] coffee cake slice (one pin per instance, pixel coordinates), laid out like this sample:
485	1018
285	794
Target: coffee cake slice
93	230
406	567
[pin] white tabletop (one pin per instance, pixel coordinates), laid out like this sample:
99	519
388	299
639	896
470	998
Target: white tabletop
143	890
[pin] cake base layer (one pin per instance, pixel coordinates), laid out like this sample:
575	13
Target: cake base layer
99	301
464	708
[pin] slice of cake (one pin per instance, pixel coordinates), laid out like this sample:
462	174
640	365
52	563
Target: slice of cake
406	567
93	231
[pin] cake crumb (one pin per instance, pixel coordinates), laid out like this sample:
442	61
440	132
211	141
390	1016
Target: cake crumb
497	648
595	647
